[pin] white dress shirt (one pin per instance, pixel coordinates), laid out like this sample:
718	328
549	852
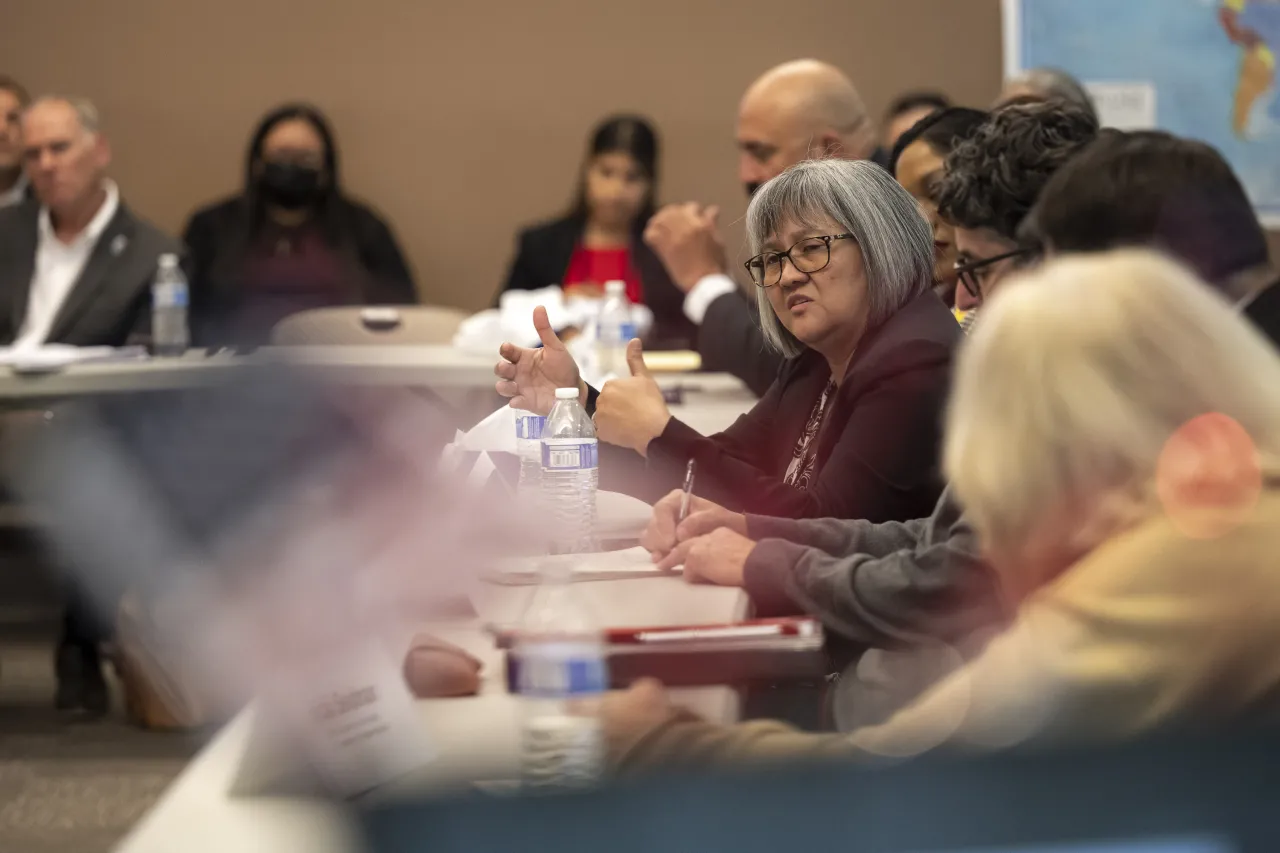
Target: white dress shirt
708	289
58	267
16	193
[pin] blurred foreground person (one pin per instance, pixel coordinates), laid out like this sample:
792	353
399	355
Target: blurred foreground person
919	163
291	240
849	429
906	112
14	186
1122	469
601	238
1046	84
1150	188
796	111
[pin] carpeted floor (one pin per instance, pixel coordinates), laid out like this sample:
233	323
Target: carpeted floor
65	785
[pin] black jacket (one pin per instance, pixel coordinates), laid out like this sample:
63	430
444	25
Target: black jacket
110	304
542	257
1264	312
217	240
730	341
878	450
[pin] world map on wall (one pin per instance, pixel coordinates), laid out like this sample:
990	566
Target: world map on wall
1205	69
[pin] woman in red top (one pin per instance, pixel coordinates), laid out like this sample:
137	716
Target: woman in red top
600	238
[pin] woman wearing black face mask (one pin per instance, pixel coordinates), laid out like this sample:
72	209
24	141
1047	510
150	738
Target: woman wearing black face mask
292	240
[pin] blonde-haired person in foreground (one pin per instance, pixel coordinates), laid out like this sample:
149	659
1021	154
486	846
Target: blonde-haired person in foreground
1120	466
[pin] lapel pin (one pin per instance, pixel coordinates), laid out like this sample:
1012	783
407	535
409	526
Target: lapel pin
119	244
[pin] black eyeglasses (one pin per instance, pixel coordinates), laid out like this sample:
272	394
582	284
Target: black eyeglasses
810	255
967	273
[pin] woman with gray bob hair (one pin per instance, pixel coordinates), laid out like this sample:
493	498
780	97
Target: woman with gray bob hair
895	241
851	426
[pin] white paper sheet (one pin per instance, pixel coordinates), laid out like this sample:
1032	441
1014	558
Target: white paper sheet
608	565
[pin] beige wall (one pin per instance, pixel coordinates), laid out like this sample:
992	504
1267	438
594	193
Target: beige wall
463	121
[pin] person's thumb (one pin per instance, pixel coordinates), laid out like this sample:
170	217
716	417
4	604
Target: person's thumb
712	216
542	324
635	358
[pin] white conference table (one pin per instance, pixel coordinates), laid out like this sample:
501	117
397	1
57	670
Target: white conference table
406	366
230	796
233	797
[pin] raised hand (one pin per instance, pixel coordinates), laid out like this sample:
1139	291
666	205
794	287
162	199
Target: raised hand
530	376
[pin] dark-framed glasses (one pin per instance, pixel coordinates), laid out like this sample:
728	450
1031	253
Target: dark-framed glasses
812	254
970	273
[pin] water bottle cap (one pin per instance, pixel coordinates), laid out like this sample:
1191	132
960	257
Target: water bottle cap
168	260
566	393
615	287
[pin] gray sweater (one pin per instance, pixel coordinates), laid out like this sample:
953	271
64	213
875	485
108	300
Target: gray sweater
917	594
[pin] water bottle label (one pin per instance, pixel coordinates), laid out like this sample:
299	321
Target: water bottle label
627	331
530	426
169	295
568	454
551	676
618	333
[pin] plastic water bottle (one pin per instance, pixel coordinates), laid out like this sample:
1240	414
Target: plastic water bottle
169	299
616	329
561	674
570	475
529	448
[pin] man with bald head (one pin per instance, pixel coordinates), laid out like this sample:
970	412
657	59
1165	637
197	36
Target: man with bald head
797	111
75	268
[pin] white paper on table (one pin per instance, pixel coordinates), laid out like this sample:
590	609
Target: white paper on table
608	565
359	723
495	434
48	358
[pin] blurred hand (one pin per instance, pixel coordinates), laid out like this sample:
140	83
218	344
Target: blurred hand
665	529
718	558
626	714
631	412
530	377
686	238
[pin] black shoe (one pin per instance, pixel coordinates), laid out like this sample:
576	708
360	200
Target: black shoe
81	685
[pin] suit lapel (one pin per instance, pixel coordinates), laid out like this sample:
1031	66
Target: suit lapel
108	253
23	270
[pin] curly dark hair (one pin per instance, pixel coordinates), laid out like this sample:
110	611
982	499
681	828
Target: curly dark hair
994	177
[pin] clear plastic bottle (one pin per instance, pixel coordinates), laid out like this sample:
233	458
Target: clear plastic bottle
169	298
616	328
570	475
529	448
561	674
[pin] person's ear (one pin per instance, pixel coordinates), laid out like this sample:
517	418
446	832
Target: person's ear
102	150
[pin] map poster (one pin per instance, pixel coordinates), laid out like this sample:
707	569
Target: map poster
1205	69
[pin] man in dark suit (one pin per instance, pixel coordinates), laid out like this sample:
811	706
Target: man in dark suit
796	111
75	268
14	187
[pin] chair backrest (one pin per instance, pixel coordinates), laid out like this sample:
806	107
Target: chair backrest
363	326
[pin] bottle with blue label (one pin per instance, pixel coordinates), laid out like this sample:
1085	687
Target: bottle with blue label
169	297
561	675
616	328
570	475
529	449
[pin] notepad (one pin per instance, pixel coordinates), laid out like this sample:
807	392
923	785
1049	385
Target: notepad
608	565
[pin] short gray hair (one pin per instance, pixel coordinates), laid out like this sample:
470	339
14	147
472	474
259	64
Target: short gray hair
1056	84
86	113
860	197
